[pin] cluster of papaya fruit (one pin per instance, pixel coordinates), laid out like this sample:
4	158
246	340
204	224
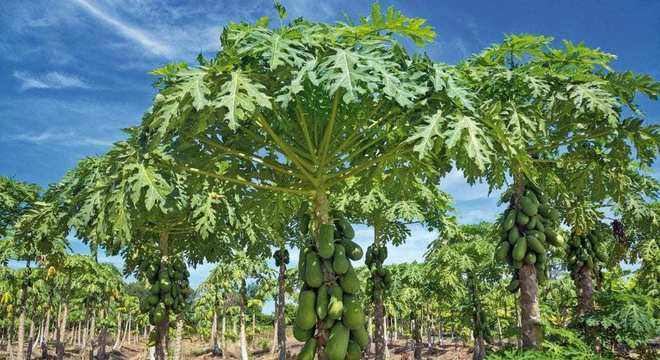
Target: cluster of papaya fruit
374	259
168	291
588	250
281	257
527	228
328	301
483	327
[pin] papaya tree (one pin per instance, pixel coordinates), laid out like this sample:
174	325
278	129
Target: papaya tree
464	261
544	107
303	107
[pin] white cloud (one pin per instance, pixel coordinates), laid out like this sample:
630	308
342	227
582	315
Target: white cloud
64	138
50	80
455	184
131	32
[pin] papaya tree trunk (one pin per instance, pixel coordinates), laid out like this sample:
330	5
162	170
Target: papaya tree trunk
20	336
115	346
417	336
479	327
530	315
215	349
322	216
584	285
243	338
163	326
223	342
102	339
178	346
281	324
379	313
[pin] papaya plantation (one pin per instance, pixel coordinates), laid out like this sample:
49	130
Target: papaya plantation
307	191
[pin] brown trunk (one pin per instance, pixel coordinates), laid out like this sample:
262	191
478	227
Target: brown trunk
322	216
178	346
162	328
379	313
584	285
281	324
243	338
417	336
102	339
479	352
530	315
20	345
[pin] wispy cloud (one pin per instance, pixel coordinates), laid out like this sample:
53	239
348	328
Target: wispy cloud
50	80
65	138
134	33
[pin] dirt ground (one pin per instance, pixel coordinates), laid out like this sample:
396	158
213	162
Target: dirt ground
194	349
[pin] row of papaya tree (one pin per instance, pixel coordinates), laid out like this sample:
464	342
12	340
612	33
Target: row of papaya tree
291	134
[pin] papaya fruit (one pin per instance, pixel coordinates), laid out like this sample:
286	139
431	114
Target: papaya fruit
306	316
304	223
302	334
322	302
514	235
540	227
152	300
522	219
513	285
535	244
354	351
509	220
337	344
532	222
529	207
313	274
382	253
554	215
301	262
517	264
601	253
326	241
544	211
532	196
353	316
340	263
552	238
308	351
502	251
336	303
347	229
530	258
349	281
361	337
328	323
519	249
353	250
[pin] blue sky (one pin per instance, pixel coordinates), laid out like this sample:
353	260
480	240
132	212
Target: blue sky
74	72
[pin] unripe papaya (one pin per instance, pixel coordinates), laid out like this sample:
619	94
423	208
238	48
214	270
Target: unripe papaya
509	220
539	226
353	316
304	223
530	258
302	334
306	316
347	229
301	262
340	263
519	249
529	207
360	336
552	238
313	274
532	196
554	215
601	252
513	285
336	303
502	251
532	222
328	323
535	244
308	351
337	345
349	282
353	250
322	302
326	243
522	219
354	351
382	253
514	235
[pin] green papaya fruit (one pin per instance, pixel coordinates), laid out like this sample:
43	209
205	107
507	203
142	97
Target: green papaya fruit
601	253
313	274
306	316
382	253
302	334
326	242
152	300
532	196
589	263
368	257
361	337
517	264
502	251
353	316
529	207
336	303
328	323
304	223
322	302
532	222
522	219
514	235
544	211
308	351
354	351
347	229
353	250
530	258
554	215
552	238
513	285
572	260
301	262
509	220
540	227
535	244
337	344
519	249
349	281
340	263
